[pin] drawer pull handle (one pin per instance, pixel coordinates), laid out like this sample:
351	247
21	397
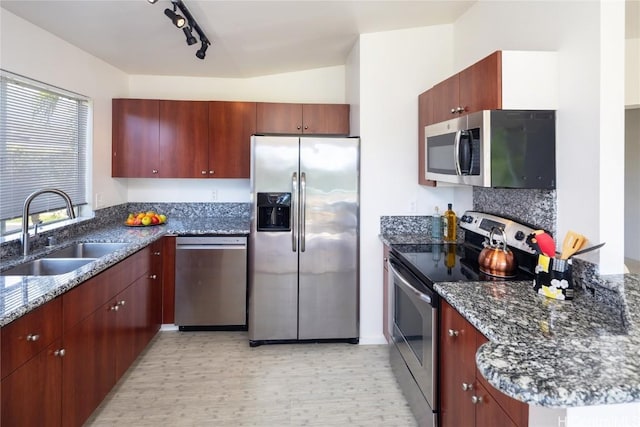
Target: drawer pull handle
33	337
153	277
157	253
476	399
453	333
115	307
59	353
121	302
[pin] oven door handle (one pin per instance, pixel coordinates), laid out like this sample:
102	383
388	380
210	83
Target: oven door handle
405	283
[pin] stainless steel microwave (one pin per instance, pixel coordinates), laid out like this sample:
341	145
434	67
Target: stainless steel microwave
494	148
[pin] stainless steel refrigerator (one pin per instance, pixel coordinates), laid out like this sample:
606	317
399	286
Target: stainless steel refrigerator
303	251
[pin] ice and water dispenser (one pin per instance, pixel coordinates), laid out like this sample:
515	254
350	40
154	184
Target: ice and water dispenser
274	211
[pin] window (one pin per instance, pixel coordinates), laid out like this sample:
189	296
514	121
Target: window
43	144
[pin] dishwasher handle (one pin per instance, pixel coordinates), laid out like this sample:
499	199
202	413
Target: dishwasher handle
210	247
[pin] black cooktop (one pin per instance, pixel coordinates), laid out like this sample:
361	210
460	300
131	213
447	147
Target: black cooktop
447	262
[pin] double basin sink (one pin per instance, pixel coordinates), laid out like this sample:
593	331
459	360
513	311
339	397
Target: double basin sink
64	260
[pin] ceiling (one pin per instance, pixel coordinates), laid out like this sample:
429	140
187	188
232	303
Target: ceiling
249	38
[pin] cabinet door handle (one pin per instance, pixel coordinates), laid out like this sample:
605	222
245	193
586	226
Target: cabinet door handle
211	172
121	303
203	172
453	111
460	110
154	171
115	307
476	399
467	387
157	253
33	337
153	276
306	127
298	127
453	333
59	353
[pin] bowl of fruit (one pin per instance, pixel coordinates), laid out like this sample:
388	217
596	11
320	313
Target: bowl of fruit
145	219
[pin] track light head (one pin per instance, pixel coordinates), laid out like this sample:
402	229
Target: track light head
203	50
177	20
187	33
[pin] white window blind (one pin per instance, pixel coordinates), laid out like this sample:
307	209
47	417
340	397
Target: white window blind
43	144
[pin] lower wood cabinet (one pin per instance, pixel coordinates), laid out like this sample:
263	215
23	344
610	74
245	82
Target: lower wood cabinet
466	399
100	328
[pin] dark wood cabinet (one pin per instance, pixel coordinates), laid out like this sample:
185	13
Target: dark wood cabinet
31	394
476	88
184	139
231	125
135	138
61	360
168	279
311	119
465	397
425	117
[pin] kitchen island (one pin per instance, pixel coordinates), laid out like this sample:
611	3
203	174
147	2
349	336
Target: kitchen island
575	360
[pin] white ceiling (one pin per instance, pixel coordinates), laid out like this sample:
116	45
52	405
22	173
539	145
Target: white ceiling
249	38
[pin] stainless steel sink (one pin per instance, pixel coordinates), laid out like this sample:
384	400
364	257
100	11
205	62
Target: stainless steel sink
47	267
86	250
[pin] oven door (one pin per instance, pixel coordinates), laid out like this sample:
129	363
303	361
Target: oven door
415	337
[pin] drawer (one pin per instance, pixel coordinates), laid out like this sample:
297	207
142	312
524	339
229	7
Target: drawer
85	299
26	336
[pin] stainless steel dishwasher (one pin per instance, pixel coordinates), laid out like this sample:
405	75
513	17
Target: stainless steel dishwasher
211	282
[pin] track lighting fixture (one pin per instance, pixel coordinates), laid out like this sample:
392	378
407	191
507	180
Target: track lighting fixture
188	24
187	33
177	20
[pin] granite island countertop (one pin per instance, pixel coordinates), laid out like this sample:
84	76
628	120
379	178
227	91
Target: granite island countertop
21	294
548	352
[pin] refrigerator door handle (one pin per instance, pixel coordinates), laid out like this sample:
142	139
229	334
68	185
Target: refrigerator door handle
294	211
303	208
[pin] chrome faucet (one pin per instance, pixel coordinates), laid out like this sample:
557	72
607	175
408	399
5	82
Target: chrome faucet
25	214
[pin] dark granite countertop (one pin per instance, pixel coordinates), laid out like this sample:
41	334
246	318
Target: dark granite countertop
548	352
21	294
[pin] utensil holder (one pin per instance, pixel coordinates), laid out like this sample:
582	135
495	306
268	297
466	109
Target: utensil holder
553	278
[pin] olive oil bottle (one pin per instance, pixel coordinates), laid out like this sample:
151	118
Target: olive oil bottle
450	225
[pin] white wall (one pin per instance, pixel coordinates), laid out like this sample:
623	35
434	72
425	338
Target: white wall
395	67
323	85
632	73
29	51
588	36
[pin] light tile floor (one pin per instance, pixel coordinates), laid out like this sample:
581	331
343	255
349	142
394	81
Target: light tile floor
217	379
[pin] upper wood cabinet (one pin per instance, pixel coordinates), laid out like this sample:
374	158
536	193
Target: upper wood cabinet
525	80
466	398
311	119
231	125
476	88
425	117
135	138
184	139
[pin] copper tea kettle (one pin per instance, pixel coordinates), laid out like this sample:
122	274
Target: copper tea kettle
496	259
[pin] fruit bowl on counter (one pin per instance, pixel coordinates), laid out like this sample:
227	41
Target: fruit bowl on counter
145	219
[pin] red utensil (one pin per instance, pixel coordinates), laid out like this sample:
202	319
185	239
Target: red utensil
546	243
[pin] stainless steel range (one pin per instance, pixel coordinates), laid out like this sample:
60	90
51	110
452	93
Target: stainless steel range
413	269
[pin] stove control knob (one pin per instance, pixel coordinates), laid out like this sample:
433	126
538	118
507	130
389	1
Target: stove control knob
519	236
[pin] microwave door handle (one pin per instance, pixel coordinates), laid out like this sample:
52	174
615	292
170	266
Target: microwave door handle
456	152
405	284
